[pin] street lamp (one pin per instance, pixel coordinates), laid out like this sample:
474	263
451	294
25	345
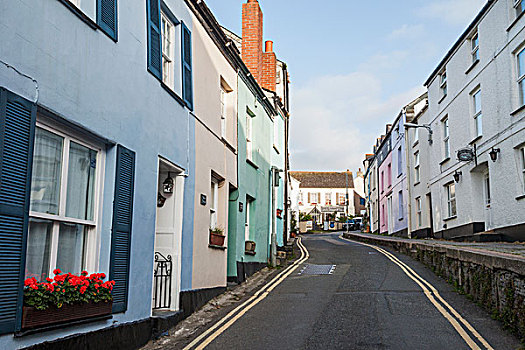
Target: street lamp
425	126
457	175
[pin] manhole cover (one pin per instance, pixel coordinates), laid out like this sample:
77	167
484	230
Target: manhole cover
317	270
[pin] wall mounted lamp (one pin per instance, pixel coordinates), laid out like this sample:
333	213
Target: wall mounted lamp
167	186
457	175
494	154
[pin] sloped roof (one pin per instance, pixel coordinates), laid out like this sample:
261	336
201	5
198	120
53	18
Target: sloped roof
321	179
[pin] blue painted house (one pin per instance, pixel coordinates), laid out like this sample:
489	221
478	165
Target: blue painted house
96	153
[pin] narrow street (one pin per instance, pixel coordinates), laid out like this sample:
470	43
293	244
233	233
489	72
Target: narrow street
368	302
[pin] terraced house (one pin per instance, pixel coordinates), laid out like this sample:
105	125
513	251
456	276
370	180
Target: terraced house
120	142
467	158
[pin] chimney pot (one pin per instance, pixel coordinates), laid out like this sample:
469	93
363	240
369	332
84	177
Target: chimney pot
269	46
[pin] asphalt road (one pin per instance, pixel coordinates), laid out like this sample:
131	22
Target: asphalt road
367	303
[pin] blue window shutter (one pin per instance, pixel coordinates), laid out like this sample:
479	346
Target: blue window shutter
154	38
17	132
187	81
107	17
121	228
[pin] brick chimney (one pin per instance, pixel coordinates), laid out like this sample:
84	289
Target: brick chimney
252	38
269	70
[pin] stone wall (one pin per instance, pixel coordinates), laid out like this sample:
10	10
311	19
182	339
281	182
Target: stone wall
493	281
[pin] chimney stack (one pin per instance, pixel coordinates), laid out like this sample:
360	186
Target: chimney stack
269	72
252	38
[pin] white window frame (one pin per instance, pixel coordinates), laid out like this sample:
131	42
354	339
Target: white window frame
276	133
223	111
417	169
328	198
416	136
247	220
521	76
168	56
87	7
443	83
419	212
214	202
474	42
92	242
522	159
451	199
478	115
446	137
399	162
249	135
401	210
518	7
339	197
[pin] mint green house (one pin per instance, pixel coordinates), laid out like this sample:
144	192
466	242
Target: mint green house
249	205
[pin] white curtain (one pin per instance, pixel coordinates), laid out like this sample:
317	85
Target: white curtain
47	166
80	182
70	256
38	249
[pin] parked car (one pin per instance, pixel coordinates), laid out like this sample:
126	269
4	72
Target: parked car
349	225
358	223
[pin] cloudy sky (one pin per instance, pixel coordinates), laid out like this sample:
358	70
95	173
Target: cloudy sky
353	65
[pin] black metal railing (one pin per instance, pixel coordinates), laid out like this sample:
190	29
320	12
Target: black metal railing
162	281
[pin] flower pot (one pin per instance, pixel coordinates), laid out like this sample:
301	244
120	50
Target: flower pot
216	239
33	318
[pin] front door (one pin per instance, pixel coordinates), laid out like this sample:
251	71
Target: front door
390	216
487	198
168	236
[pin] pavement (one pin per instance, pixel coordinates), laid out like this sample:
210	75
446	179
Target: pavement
368	302
515	250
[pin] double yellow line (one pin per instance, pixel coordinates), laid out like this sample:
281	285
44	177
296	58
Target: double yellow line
218	328
432	294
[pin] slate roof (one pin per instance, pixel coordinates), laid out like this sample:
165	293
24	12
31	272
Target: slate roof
322	179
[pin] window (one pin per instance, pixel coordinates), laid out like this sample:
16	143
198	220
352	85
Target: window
314	198
487	190
276	132
341	199
451	199
519	6
102	12
521	76
399	162
300	197
64	190
478	117
214	203
522	156
389	174
418	212
328	198
417	175
382	181
223	112
249	135
474	41
168	35
416	135
247	221
446	138
401	205
443	83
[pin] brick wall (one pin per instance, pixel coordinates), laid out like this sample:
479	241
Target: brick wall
269	71
252	38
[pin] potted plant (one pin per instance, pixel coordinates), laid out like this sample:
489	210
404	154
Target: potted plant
217	236
65	298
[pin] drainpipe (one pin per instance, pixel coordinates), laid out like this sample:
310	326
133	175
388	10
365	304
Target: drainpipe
407	169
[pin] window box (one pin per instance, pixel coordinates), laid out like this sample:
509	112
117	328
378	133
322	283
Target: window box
33	318
217	239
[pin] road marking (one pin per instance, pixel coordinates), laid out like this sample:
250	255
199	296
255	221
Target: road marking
430	291
240	310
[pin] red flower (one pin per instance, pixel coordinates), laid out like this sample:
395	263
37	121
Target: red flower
57	271
49	280
35	287
102	275
84	273
83	289
28	282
